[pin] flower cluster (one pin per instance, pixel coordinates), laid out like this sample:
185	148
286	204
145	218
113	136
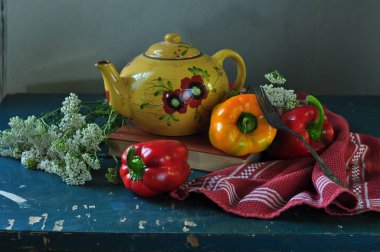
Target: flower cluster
61	142
275	77
283	99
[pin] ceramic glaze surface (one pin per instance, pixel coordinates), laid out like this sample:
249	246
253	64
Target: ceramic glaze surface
172	88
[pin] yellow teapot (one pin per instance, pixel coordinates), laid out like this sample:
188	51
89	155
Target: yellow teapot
172	88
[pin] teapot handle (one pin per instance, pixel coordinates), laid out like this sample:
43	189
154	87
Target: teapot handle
221	55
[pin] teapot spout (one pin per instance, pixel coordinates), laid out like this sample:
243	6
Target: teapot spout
115	87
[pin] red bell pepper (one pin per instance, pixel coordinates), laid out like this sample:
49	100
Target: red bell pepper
310	122
151	168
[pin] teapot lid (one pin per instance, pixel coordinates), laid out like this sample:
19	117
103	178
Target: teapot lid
172	48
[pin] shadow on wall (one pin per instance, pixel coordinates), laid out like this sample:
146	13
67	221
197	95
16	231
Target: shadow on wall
265	39
321	47
210	36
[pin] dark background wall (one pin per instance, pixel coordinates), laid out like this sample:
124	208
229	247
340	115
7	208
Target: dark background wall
2	48
321	46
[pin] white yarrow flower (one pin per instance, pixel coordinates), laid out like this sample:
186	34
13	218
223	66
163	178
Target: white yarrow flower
89	137
30	158
91	160
275	77
281	98
60	142
76	172
72	122
71	104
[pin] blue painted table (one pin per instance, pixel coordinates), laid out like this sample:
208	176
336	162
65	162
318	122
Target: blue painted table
102	217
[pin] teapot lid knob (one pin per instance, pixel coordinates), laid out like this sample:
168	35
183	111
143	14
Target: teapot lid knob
172	48
174	38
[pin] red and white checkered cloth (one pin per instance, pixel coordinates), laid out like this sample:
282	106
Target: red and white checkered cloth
266	189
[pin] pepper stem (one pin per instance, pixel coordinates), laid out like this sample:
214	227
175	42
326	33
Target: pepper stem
246	123
315	128
135	165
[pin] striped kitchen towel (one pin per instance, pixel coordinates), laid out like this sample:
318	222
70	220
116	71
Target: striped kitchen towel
266	189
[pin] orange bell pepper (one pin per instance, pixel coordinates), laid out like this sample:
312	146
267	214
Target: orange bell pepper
238	127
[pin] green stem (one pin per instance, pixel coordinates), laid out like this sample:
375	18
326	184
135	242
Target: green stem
93	102
315	128
50	113
115	160
246	123
111	118
86	107
135	165
43	121
95	112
